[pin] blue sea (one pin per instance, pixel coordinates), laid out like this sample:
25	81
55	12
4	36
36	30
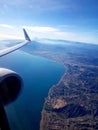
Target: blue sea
38	75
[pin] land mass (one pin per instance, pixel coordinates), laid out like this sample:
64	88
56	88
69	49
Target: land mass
71	104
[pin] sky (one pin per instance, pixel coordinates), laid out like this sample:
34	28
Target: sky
74	20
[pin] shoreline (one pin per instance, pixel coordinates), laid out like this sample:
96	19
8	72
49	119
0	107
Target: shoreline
74	90
43	120
49	118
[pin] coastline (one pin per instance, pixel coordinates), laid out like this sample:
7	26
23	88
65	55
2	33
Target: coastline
78	98
44	117
77	89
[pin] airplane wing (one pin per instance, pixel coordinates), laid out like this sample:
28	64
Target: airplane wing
13	48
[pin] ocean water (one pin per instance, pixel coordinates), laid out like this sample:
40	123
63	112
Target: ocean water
38	75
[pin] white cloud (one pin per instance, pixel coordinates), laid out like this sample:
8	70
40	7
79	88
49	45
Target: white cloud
66	26
45	32
6	26
49	32
40	29
10	32
10	36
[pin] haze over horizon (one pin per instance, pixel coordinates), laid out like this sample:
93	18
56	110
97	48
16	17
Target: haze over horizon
53	19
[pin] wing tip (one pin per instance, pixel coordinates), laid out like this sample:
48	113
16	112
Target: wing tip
26	35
